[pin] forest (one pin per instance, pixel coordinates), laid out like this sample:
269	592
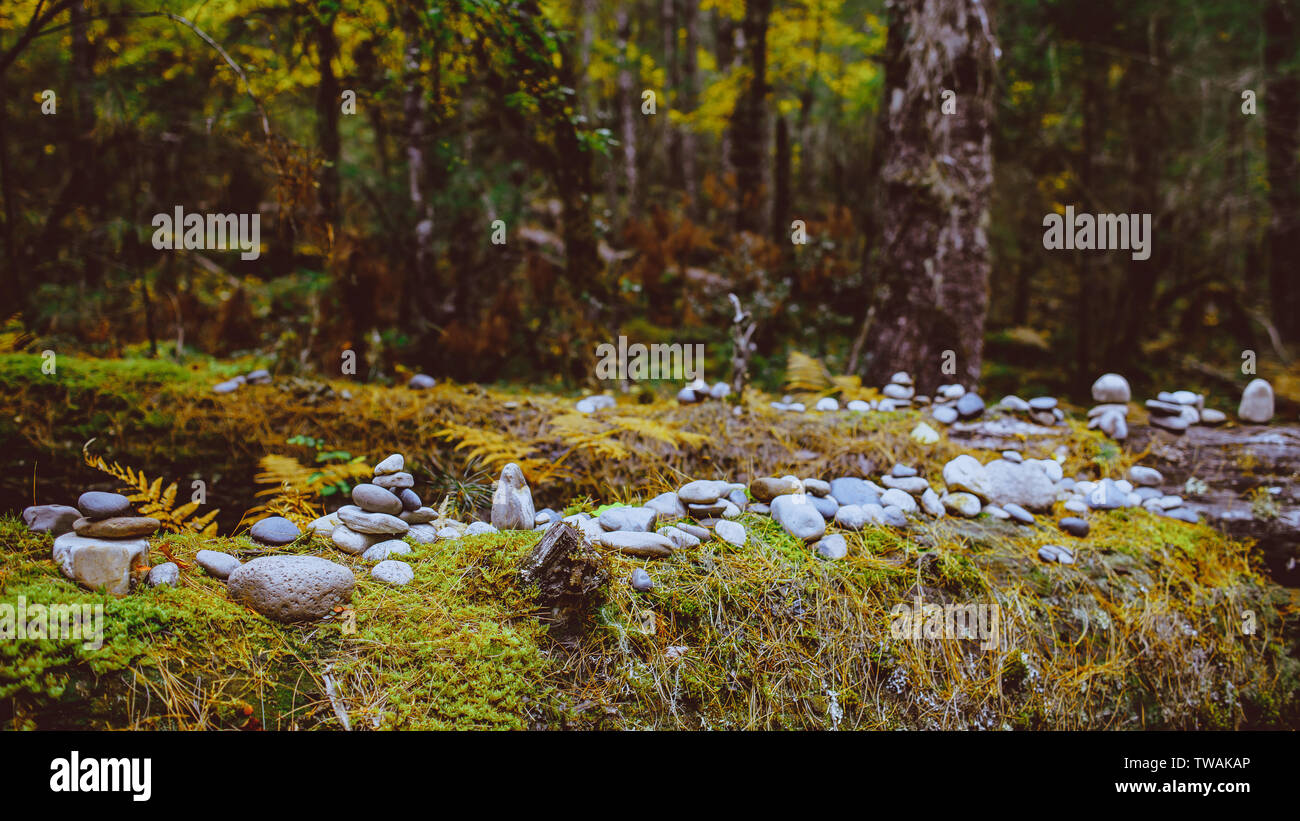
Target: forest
629	364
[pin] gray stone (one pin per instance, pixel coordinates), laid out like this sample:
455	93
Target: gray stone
275	531
894	391
850	490
961	504
480	528
680	538
375	499
229	386
1042	403
914	485
1055	553
1256	404
350	541
292	588
732	532
410	501
394	572
1111	387
832	547
893	516
1106	496
421	516
641	581
219	565
1177	424
166	574
1210	416
901	378
55	519
720	390
512	501
1142	475
995	512
423	534
767	488
1075	526
1185	398
966	473
639	519
970	405
796	513
900	499
851	517
1026	484
116	527
703	491
382	550
374	523
1183	514
392	464
826	403
421	382
1019	513
858	406
96	504
817	487
325	525
96	563
635	543
395	481
931	504
1014	403
698	532
945	414
668	505
1013	456
826	505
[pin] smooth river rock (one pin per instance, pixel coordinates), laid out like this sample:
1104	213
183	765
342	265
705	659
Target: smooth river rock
291	588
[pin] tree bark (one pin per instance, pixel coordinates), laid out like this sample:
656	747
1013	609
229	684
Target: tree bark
937	173
627	104
1281	142
687	102
328	109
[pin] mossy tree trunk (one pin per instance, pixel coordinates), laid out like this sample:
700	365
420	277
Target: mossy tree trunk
937	179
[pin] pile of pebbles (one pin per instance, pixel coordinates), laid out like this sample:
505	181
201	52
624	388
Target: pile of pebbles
109	545
383	510
699	391
261	376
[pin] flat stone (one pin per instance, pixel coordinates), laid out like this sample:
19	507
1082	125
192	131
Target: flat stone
351	541
166	574
858	406
1075	506
1026	484
1210	416
832	547
680	538
292	588
995	512
1111	387
914	485
703	491
826	403
1014	403
816	487
1106	496
390	465
1019	513
1183	515
421	382
424	534
1042	403
900	499
325	525
851	517
767	488
375	499
797	515
635	543
850	490
373	523
826	505
394	572
479	528
55	519
1107	407
420	516
731	532
698	532
894	391
641	581
668	505
1142	475
931	504
275	531
100	563
96	504
1177	424
116	527
1013	456
395	481
219	565
382	550
638	519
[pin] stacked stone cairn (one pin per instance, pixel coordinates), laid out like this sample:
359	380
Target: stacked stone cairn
109	545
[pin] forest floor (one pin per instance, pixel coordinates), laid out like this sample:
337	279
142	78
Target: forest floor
1144	630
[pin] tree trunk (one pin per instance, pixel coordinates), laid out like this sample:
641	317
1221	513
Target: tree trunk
1281	142
749	147
415	109
937	174
687	101
627	104
328	109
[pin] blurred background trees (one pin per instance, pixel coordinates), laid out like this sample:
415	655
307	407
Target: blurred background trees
648	157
